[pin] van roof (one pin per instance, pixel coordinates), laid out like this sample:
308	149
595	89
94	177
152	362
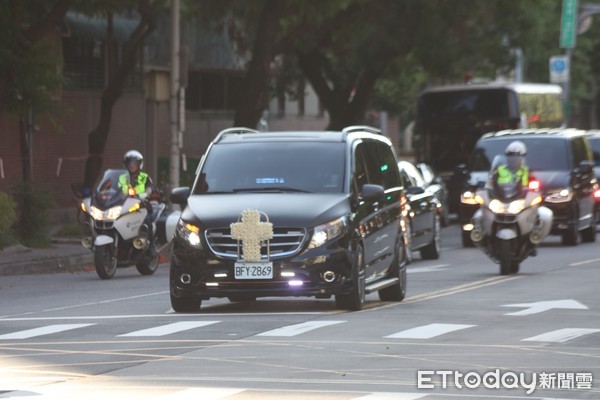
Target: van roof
539	132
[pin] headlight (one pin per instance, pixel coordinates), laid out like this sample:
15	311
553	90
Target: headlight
469	197
514	207
107	215
559	196
326	232
190	233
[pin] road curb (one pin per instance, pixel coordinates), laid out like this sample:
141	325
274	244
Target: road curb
73	263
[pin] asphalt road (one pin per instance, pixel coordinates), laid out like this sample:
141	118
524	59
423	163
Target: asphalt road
463	332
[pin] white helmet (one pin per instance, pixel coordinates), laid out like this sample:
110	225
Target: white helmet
133	156
516	148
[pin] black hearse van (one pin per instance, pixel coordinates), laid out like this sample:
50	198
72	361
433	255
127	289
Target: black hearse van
292	214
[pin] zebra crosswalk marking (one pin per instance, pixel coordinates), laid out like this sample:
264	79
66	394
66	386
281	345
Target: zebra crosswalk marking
561	335
294	330
44	330
428	331
170	328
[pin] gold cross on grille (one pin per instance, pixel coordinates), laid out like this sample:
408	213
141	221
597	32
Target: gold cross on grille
251	231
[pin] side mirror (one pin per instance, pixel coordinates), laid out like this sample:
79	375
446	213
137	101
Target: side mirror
180	195
585	167
372	192
461	169
412	190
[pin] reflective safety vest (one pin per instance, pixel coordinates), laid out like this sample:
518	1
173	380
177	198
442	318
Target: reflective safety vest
505	175
139	185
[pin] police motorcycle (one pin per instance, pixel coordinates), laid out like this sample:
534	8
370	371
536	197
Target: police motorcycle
115	232
510	221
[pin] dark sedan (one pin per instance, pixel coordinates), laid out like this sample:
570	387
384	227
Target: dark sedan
435	185
594	139
424	212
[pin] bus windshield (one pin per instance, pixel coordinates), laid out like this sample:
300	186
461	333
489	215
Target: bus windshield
450	119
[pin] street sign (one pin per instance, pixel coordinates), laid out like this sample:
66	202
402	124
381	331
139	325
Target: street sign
568	24
559	69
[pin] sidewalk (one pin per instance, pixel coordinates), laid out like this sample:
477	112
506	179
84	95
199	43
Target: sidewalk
65	255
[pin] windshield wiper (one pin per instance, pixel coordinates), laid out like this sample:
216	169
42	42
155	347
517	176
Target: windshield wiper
271	189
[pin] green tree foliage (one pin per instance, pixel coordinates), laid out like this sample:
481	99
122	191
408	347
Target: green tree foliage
35	203
8	216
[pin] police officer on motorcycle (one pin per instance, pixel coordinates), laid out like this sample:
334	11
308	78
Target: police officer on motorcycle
143	185
514	170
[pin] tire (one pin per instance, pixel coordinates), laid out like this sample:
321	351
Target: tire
588	235
506	264
354	300
105	262
432	250
570	236
397	292
185	304
466	239
148	267
181	303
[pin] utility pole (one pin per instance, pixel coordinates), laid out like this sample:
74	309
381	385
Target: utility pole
174	96
572	24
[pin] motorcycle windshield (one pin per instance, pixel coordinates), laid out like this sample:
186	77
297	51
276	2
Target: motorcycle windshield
107	192
504	191
507	191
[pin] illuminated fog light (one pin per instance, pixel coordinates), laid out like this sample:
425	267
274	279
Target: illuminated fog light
295	283
468	227
220	275
212	284
288	274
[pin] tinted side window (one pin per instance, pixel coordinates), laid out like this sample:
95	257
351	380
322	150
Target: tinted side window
360	169
388	166
580	151
373	163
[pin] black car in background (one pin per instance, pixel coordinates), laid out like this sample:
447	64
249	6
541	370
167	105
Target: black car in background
435	185
560	160
594	139
424	211
292	214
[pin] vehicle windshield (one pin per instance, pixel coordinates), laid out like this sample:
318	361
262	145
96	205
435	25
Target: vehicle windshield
107	192
285	166
543	154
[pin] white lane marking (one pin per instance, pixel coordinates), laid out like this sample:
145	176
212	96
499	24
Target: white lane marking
297	329
169	328
541	306
203	393
431	268
428	331
460	288
392	396
561	335
584	262
211	315
45	330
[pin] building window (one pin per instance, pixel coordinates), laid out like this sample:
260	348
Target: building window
211	90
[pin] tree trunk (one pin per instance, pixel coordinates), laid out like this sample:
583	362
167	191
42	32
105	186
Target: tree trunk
113	91
254	96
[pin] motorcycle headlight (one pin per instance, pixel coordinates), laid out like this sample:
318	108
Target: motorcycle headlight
559	196
107	215
190	233
326	232
497	207
514	207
